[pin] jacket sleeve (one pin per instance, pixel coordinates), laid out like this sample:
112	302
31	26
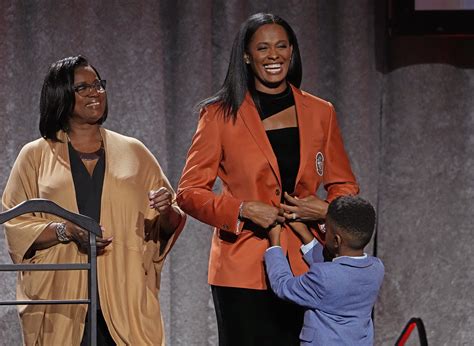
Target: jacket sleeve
306	290
153	221
22	185
338	177
157	246
315	254
195	195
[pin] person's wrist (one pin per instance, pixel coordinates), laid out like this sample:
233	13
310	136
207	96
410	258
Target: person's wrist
166	212
61	232
323	210
274	238
307	239
174	217
275	241
241	211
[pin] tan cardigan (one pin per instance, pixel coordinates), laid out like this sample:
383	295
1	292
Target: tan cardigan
128	272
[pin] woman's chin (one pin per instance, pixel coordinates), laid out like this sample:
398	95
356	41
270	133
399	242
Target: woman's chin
271	86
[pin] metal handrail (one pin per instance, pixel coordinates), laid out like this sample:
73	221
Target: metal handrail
85	222
44	267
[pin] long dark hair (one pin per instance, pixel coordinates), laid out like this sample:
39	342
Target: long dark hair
240	77
58	97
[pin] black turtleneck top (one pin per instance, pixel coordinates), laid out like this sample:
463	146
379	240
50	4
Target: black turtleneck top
284	141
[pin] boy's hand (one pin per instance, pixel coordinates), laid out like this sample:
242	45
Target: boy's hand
302	231
274	235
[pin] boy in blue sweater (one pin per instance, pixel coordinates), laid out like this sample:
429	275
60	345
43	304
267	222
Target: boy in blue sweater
339	295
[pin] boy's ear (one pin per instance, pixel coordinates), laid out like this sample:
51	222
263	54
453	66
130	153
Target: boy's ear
337	241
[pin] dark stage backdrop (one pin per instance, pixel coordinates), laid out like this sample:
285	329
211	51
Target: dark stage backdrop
408	131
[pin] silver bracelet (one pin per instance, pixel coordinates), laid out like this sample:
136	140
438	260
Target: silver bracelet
240	217
61	232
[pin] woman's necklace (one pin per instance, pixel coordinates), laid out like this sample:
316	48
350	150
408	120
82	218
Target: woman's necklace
89	156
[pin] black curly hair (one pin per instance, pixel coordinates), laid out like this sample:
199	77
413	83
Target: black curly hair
355	217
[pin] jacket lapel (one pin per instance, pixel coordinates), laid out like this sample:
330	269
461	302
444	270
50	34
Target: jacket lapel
249	115
303	114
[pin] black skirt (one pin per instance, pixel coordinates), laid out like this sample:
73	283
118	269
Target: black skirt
247	317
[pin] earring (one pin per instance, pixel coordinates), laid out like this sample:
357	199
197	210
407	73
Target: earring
246	59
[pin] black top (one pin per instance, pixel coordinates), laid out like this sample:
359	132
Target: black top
286	146
285	142
271	104
88	188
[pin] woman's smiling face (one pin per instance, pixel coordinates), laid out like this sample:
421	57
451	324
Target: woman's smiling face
269	55
91	107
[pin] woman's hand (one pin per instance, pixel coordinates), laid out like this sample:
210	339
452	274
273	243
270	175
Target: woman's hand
262	214
311	208
81	238
160	200
49	237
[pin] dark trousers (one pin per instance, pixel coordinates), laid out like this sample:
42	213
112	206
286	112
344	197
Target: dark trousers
103	336
247	317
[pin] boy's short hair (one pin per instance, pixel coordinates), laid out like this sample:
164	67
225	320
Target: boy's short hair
355	217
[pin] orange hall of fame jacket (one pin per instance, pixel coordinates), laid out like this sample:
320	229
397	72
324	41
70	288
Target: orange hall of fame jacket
240	154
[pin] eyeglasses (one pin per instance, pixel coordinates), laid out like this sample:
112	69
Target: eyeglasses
86	89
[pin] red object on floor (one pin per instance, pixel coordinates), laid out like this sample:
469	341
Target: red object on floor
410	326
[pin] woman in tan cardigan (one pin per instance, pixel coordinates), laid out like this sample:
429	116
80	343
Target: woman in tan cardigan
115	180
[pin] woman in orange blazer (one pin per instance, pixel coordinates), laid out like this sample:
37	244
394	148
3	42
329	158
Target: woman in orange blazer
271	145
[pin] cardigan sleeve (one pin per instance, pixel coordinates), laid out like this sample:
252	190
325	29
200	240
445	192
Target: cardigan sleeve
22	231
166	243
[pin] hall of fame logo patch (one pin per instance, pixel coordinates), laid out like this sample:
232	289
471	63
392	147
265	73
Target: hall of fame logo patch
320	163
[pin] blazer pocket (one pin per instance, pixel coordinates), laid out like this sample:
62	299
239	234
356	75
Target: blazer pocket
307	334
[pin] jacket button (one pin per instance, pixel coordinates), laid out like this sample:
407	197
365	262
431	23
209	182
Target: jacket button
277	192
